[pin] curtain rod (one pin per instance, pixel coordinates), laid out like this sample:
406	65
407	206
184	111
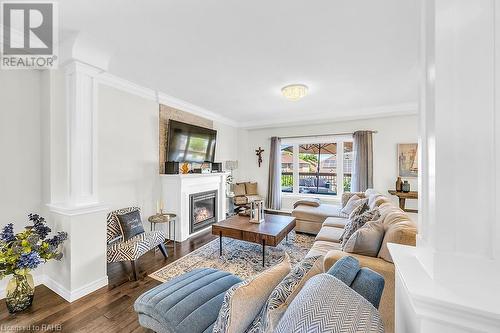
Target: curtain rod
308	136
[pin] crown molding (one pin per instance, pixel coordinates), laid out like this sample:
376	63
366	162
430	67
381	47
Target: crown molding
403	109
160	97
188	107
126	86
130	87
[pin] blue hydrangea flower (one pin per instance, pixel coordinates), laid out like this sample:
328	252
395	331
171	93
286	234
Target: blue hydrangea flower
39	225
7	234
29	260
57	239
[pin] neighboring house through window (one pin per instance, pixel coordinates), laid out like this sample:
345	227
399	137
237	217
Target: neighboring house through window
310	165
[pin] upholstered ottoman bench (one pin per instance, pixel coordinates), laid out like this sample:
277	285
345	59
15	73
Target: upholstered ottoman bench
187	303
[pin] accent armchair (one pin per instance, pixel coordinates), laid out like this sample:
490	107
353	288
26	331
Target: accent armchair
135	247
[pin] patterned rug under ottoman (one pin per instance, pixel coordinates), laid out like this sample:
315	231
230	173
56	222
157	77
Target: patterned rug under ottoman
238	257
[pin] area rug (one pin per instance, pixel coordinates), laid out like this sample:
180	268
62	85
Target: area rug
238	257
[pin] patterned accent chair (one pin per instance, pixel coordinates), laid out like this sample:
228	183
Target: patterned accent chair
135	247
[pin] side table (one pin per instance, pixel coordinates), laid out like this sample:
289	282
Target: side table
402	199
169	218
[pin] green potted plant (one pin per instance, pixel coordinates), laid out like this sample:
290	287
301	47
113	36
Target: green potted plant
21	253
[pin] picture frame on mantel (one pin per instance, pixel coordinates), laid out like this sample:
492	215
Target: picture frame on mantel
408	160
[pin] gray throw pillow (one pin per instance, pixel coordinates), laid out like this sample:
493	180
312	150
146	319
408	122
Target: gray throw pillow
367	239
326	304
357	222
130	224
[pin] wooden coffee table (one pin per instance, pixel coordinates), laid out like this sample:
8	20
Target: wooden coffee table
271	232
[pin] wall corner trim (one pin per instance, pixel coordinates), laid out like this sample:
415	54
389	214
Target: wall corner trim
66	210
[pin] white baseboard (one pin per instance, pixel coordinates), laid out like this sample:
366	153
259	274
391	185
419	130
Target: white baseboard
68	295
73	295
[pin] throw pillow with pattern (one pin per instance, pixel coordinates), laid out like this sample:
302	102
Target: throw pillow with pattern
284	293
326	304
243	301
360	209
357	222
130	224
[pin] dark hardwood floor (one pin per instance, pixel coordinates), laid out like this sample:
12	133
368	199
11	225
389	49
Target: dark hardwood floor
109	309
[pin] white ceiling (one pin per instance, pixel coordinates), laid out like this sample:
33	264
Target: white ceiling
358	57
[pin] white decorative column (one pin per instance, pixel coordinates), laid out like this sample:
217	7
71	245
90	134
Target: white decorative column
74	203
82	125
450	281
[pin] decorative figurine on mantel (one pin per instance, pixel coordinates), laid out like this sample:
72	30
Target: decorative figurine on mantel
259	154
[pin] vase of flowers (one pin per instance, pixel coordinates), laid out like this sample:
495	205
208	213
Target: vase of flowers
22	252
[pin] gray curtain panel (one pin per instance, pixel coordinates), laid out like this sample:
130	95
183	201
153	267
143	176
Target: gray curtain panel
362	178
274	182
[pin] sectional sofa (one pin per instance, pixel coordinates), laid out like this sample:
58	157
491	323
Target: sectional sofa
328	221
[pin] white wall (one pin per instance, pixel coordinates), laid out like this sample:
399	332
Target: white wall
227	144
20	167
391	131
128	150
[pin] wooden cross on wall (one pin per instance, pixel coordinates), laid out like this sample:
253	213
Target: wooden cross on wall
259	154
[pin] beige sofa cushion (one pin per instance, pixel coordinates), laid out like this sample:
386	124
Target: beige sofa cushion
376	200
314	202
251	188
402	232
320	248
330	234
316	214
387	207
337	222
239	189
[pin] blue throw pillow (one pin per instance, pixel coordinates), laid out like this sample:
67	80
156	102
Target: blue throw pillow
370	285
345	269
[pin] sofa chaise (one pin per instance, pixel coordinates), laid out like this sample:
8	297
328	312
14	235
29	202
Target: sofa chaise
327	221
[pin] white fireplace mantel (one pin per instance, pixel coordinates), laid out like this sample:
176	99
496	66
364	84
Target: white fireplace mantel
176	190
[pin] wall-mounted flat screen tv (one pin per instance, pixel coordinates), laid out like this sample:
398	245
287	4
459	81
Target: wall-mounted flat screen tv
190	143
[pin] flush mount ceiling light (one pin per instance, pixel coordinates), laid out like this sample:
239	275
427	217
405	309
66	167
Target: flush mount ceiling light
294	92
